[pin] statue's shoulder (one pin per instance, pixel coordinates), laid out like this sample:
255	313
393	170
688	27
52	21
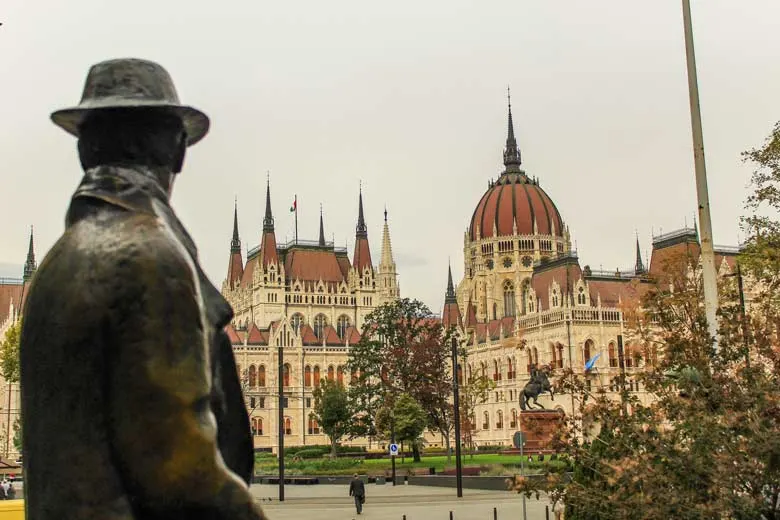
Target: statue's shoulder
122	245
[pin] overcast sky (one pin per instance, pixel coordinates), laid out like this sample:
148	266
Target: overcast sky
408	97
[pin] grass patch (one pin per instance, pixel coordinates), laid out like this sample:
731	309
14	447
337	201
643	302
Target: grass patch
492	464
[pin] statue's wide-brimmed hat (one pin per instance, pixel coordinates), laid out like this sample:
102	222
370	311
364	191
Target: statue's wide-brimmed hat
131	84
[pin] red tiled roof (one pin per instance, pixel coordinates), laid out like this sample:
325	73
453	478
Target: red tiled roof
471	314
617	292
331	337
451	316
515	198
308	337
249	271
10	293
362	257
313	265
235	268
235	339
255	336
353	336
542	280
268	249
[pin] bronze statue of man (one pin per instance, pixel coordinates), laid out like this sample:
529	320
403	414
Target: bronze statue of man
131	401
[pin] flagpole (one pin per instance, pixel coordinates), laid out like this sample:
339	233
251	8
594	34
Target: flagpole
295	204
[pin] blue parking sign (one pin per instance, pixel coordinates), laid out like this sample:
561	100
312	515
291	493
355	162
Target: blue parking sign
393	450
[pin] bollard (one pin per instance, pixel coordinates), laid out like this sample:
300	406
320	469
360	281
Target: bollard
495	514
450	515
547	512
404	517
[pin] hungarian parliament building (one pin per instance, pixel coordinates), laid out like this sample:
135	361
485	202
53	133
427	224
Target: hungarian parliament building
524	300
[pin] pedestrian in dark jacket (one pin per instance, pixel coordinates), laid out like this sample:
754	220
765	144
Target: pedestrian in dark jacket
358	490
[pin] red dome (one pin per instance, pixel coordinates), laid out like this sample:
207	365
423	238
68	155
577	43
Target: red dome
515	197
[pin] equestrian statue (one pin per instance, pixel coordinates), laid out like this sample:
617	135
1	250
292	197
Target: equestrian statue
538	384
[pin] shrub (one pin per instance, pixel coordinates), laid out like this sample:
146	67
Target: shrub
310	453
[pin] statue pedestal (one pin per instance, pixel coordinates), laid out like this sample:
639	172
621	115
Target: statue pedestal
539	428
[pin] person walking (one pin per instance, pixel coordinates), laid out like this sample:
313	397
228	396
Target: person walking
358	490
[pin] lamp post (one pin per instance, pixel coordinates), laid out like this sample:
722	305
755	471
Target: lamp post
709	275
456	415
392	441
742	312
281	423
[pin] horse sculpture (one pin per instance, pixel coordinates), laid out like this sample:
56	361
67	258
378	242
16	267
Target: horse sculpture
538	384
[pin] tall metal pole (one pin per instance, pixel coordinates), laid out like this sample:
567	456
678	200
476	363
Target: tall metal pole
456	415
392	441
622	362
281	424
709	274
743	316
295	203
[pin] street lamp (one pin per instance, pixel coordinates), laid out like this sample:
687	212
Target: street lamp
280	373
456	405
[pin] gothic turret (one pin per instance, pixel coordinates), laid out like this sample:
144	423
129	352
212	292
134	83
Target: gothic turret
322	230
236	263
451	316
268	252
30	265
388	276
639	267
362	257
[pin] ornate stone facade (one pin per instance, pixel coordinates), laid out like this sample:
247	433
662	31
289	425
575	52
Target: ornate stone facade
309	299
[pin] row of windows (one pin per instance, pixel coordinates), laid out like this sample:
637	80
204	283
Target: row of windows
255	375
313	426
321	300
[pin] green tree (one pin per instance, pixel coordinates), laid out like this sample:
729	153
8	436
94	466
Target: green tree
406	418
9	353
475	391
403	349
331	407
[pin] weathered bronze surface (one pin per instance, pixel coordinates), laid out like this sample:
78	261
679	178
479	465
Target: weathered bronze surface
536	385
131	401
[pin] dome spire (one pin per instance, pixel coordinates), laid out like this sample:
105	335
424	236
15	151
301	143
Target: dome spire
322	229
449	296
235	243
512	159
30	265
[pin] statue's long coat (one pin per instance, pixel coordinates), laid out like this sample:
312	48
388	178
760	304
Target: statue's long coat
131	402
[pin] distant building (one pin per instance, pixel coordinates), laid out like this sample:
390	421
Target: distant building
524	299
310	298
12	295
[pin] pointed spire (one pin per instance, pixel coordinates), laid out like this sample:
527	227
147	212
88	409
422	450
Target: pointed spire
450	296
639	268
268	221
322	229
30	265
235	242
386	261
361	231
512	159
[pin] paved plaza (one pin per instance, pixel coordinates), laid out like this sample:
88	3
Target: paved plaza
385	502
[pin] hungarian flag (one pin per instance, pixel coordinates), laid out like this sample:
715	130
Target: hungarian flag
294	205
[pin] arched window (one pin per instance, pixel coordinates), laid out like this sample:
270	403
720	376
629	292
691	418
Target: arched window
342	324
613	361
460	374
340	375
555	298
513	419
331	373
287	426
254	426
587	350
581	299
509	299
495	311
485	421
296	321
510	367
483	366
536	356
257	426
559	347
252	376
314	427
496	371
553	355
499	420
286	375
320	322
307	376
317	377
261	376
